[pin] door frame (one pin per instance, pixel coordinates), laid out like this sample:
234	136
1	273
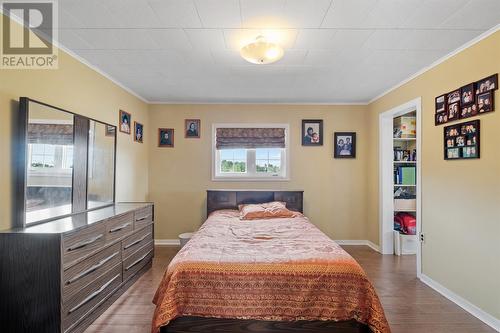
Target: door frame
386	185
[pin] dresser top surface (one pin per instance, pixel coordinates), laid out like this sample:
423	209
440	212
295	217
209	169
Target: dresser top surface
80	220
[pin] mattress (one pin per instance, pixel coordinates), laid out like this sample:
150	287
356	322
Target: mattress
282	269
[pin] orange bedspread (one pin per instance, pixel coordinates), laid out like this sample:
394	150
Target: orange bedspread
282	269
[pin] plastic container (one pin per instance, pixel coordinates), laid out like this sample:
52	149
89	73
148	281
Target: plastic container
185	237
405	244
405	204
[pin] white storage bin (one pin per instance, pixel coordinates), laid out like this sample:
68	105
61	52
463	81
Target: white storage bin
405	244
185	237
405	204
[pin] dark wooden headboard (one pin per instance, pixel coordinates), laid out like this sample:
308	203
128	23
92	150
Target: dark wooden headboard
230	199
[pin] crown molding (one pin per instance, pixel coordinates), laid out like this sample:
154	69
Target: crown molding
63	48
465	46
99	71
254	103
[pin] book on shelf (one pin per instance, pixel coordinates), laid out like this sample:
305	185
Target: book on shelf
405	175
402	155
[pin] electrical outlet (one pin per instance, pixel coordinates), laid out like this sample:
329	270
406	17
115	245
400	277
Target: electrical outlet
422	237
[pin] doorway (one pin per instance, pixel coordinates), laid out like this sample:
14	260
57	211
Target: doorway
391	183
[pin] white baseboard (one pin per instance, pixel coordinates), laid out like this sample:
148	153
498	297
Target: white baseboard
364	242
167	242
463	303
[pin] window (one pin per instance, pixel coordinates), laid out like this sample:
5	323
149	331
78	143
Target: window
268	160
43	156
233	161
250	152
48	157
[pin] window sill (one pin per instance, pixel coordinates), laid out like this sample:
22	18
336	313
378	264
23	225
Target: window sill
249	179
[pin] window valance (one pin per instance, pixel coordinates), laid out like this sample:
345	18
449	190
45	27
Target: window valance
231	138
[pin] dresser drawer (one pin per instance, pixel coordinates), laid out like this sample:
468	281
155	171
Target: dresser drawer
119	227
75	309
82	243
137	260
143	217
85	272
136	241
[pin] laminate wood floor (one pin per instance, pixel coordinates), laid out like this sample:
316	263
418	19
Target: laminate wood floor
410	306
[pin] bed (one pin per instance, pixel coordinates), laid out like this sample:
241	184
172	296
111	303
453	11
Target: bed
265	275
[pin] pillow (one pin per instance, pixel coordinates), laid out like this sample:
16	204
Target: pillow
265	204
266	210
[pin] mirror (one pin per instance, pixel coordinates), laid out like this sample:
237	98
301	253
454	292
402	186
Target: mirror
65	163
49	163
101	161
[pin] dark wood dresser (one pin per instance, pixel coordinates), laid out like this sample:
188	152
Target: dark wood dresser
61	275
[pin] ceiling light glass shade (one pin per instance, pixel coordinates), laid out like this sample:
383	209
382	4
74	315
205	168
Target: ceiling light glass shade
261	52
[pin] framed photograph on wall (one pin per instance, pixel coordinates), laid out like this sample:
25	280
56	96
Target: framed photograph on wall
467	94
312	132
166	137
453	111
487	84
124	122
453	96
192	128
441	118
344	145
469	111
461	141
485	102
440	103
138	132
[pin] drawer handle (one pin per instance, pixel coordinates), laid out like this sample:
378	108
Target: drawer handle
137	241
92	269
93	295
85	243
142	218
123	226
137	261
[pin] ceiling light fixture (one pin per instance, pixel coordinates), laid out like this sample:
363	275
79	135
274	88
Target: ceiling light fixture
261	51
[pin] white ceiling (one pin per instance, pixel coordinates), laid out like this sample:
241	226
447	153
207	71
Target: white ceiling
335	51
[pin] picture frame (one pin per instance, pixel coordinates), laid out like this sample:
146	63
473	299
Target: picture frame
453	111
453	96
192	128
344	145
440	103
312	132
124	122
138	132
168	140
441	118
462	141
485	102
109	130
489	83
469	111
467	94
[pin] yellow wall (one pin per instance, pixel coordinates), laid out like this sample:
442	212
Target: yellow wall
335	189
77	88
460	199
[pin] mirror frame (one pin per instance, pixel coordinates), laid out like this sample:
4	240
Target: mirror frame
80	141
